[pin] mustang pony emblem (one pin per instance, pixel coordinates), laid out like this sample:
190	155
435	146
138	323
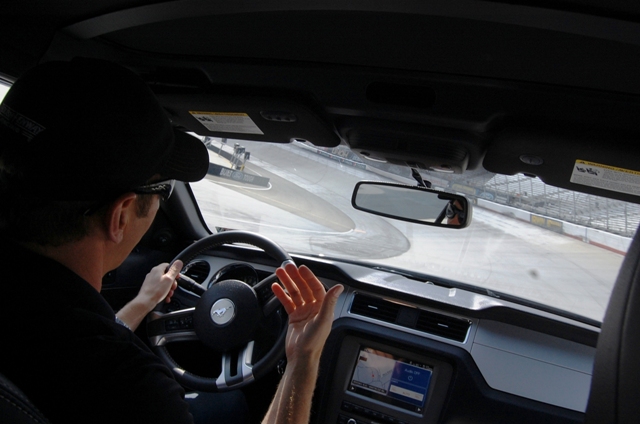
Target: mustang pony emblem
219	312
223	311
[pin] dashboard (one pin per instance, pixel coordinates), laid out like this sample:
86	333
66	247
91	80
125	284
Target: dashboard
404	351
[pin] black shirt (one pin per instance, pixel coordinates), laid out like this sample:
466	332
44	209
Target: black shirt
62	347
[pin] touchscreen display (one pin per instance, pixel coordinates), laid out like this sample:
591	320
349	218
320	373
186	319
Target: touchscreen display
387	378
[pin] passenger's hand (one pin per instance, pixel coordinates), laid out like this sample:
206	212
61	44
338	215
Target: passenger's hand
158	285
310	311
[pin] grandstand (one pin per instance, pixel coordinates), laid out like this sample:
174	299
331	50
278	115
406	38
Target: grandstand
533	195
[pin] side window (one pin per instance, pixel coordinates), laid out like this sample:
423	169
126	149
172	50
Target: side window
3	89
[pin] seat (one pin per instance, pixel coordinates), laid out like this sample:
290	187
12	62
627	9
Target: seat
616	370
15	408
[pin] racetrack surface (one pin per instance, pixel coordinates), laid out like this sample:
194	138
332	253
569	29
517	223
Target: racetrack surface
307	210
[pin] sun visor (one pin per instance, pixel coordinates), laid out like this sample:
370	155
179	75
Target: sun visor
602	163
259	118
422	147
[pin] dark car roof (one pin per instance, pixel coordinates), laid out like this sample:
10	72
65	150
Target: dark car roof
461	84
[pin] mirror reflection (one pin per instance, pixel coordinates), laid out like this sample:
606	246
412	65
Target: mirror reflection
414	204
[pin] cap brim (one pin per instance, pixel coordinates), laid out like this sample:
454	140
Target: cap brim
188	160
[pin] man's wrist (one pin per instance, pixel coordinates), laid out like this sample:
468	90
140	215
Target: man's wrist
307	365
142	304
124	324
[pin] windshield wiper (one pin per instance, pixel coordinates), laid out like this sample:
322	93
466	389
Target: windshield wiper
403	273
475	289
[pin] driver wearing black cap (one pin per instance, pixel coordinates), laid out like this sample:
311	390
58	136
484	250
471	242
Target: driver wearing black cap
86	154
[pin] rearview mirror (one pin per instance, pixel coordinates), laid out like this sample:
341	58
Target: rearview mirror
413	204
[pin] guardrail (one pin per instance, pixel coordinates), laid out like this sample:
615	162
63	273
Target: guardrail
603	239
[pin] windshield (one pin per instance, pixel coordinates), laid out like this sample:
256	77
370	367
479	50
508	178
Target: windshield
550	246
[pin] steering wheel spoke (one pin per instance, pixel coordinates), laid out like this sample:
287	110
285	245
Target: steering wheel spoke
176	326
265	295
237	368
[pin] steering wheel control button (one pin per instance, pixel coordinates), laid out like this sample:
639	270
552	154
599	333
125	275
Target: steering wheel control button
182	323
223	311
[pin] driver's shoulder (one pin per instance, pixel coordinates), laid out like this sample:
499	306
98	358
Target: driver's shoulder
82	358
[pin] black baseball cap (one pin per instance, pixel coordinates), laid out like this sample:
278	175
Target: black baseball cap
89	129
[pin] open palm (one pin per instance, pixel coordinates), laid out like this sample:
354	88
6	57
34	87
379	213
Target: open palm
310	317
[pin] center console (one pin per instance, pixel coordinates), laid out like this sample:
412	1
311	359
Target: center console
378	383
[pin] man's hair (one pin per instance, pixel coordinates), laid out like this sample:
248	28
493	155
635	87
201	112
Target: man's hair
54	223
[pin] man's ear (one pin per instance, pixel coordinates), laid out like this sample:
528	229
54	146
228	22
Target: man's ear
118	216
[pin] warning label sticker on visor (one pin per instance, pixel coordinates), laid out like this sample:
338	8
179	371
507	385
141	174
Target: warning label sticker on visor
606	177
227	122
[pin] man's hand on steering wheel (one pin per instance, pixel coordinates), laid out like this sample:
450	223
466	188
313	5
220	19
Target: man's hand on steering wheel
310	311
158	286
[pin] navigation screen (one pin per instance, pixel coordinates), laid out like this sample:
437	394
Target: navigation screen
387	378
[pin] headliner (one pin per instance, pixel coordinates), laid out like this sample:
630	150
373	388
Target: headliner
467	82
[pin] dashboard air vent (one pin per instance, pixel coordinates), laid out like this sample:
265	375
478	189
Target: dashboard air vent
374	307
443	326
410	317
198	271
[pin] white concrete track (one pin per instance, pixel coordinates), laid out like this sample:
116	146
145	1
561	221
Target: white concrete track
307	210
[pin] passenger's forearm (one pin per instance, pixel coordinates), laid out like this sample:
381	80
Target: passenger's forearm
292	402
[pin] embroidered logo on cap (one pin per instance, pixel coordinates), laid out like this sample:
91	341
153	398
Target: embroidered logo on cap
19	123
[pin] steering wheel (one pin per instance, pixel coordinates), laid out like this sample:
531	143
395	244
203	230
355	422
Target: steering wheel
225	319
